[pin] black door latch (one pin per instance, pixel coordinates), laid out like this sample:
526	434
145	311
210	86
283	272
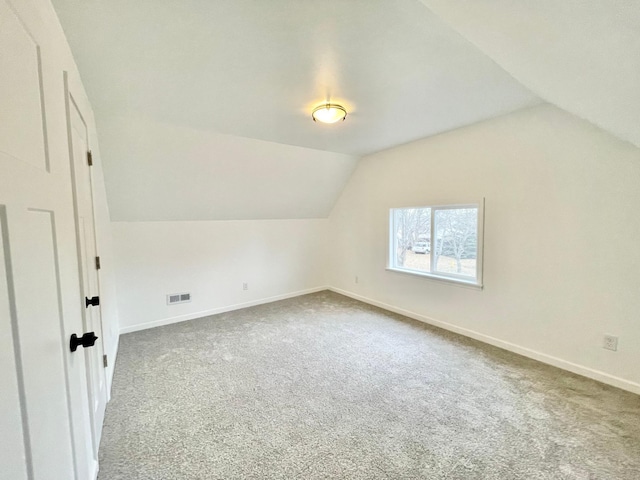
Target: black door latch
95	301
86	340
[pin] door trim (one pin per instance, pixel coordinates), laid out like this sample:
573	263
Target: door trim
70	102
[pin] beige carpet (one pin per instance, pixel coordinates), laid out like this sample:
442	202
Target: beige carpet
322	386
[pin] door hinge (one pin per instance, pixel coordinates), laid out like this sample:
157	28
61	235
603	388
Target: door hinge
90	158
105	362
97	263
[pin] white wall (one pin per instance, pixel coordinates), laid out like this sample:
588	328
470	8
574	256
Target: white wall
562	262
212	260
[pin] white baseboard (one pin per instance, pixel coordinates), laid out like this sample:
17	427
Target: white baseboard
214	311
526	352
112	356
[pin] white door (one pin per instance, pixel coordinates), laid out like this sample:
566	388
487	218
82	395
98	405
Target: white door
42	424
87	261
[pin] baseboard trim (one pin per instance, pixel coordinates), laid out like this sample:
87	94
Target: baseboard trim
112	356
526	352
215	311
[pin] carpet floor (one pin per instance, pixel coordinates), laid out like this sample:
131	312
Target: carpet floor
325	387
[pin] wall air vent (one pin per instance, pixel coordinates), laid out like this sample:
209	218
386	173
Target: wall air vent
173	298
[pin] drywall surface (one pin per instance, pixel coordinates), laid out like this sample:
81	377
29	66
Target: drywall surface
582	56
561	256
401	73
163	172
212	261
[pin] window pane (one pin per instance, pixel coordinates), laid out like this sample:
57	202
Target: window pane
456	239
412	240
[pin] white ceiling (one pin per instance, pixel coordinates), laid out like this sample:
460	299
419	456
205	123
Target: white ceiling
583	56
197	69
256	68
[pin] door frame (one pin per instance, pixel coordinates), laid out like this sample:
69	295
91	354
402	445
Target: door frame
71	103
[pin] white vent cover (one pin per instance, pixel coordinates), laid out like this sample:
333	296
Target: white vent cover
173	298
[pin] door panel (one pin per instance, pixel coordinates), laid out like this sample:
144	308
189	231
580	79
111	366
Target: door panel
24	137
12	439
32	234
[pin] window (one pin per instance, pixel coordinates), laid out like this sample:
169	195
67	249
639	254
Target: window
438	241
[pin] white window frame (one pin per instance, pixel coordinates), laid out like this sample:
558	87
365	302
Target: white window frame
442	276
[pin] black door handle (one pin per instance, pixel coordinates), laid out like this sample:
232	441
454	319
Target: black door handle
86	340
95	301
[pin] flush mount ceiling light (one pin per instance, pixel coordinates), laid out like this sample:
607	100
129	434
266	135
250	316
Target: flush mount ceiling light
329	113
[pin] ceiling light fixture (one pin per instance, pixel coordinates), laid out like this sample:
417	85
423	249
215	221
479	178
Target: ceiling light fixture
329	113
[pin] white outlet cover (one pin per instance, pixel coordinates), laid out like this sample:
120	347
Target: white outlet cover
610	342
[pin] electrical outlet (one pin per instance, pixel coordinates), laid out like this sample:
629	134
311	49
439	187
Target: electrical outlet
356	279
610	342
245	286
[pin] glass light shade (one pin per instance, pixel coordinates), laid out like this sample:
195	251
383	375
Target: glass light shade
329	113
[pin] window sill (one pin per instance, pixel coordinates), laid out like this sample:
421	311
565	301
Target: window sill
456	281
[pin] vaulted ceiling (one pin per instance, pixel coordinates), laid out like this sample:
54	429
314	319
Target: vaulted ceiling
583	56
207	103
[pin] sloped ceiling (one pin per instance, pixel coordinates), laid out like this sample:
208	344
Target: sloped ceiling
164	172
583	56
167	79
